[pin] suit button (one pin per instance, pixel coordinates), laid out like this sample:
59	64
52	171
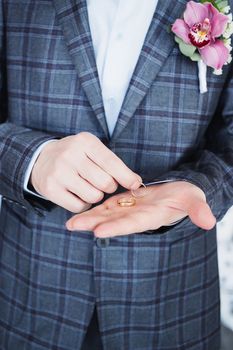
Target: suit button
102	242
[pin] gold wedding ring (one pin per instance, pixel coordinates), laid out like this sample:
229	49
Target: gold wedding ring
126	202
131	201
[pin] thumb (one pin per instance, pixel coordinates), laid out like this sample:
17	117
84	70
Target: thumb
201	215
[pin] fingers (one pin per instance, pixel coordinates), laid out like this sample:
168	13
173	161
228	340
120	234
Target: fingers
201	215
110	222
85	223
109	219
82	189
89	220
193	202
131	220
97	170
118	221
69	201
123	225
114	166
97	177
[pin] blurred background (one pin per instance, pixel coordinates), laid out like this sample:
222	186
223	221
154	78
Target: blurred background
225	257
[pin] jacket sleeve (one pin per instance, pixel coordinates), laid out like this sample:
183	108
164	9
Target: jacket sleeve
211	168
17	145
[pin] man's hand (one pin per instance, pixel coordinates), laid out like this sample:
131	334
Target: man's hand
161	205
76	171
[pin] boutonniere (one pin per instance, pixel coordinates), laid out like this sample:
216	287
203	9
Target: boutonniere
204	35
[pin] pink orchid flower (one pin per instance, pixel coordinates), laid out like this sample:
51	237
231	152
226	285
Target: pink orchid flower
201	26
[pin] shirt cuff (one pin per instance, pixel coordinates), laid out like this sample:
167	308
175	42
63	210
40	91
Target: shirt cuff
29	170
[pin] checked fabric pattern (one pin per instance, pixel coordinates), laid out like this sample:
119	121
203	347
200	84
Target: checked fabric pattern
152	291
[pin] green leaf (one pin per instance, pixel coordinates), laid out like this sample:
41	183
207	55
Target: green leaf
169	28
186	49
178	40
195	57
213	2
222	4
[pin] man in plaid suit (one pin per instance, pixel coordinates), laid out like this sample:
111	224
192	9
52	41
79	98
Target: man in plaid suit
149	284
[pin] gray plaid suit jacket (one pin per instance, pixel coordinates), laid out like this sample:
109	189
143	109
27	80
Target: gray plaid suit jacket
157	290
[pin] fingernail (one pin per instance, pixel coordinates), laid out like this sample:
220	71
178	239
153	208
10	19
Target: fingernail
69	226
136	185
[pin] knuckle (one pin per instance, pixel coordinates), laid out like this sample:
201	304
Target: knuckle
76	205
85	207
96	197
80	206
63	155
85	136
110	159
131	179
126	182
109	185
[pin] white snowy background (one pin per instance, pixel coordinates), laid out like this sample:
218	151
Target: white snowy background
225	258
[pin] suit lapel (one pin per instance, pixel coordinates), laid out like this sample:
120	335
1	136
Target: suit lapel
157	46
73	18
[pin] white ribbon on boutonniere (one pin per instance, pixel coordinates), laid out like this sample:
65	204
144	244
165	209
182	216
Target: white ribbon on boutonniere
202	75
203	35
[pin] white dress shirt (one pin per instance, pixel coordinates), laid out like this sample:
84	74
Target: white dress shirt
118	29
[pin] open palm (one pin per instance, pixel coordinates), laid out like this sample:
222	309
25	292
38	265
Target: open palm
161	205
